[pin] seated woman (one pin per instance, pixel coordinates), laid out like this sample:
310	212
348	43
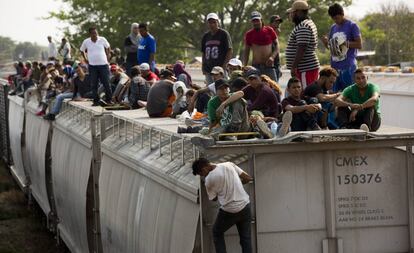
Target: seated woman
180	102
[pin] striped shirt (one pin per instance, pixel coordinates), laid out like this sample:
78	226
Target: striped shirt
304	33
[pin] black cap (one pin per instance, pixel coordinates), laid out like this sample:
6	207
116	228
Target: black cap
221	83
252	72
166	73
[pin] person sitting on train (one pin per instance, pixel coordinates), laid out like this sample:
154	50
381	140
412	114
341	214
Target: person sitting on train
321	91
120	83
138	90
304	115
161	96
359	104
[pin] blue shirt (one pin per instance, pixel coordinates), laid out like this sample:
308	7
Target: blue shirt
348	31
146	47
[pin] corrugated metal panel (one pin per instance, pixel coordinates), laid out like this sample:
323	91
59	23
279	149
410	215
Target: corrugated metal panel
140	215
37	131
16	122
71	162
4	127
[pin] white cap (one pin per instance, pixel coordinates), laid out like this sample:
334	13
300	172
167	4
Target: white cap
144	66
217	70
212	16
235	62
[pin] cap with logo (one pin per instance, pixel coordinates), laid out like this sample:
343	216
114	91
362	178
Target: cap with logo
252	73
255	15
166	73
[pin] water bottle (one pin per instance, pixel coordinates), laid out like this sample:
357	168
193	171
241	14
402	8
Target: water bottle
273	128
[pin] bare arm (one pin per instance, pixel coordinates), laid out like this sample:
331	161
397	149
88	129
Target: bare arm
370	102
300	52
327	97
228	57
84	56
357	43
233	98
245	178
246	54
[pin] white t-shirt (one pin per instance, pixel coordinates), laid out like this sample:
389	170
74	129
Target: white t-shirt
96	50
212	88
65	51
52	52
224	183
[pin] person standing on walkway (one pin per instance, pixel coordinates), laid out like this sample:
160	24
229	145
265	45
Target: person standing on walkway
65	50
343	42
301	58
216	47
131	47
52	51
275	22
96	52
224	182
147	47
262	40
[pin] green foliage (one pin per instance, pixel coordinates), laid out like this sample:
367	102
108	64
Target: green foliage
7	46
389	33
27	51
177	25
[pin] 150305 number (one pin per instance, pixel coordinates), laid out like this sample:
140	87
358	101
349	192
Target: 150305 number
359	179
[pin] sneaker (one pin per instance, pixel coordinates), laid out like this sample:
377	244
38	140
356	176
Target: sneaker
95	104
286	121
263	129
316	127
13	93
40	113
181	130
49	116
364	127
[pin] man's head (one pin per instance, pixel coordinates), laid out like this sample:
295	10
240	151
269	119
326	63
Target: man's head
81	70
145	69
143	29
298	11
135	71
64	40
201	167
217	73
275	21
189	95
336	12
234	64
256	19
222	89
167	74
28	64
93	33
238	84
115	70
327	77
253	77
294	87
35	64
212	22
361	79
135	28
49	38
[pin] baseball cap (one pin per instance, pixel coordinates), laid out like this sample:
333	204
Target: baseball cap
235	62
276	18
212	16
166	73
221	83
217	70
144	66
255	15
298	5
252	73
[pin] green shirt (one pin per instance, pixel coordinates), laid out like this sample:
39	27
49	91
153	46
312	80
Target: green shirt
213	105
353	95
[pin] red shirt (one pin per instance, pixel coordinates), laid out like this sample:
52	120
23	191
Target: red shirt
151	76
263	37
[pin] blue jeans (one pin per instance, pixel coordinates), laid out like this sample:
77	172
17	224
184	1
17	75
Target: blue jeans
58	102
100	73
344	79
265	70
226	220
